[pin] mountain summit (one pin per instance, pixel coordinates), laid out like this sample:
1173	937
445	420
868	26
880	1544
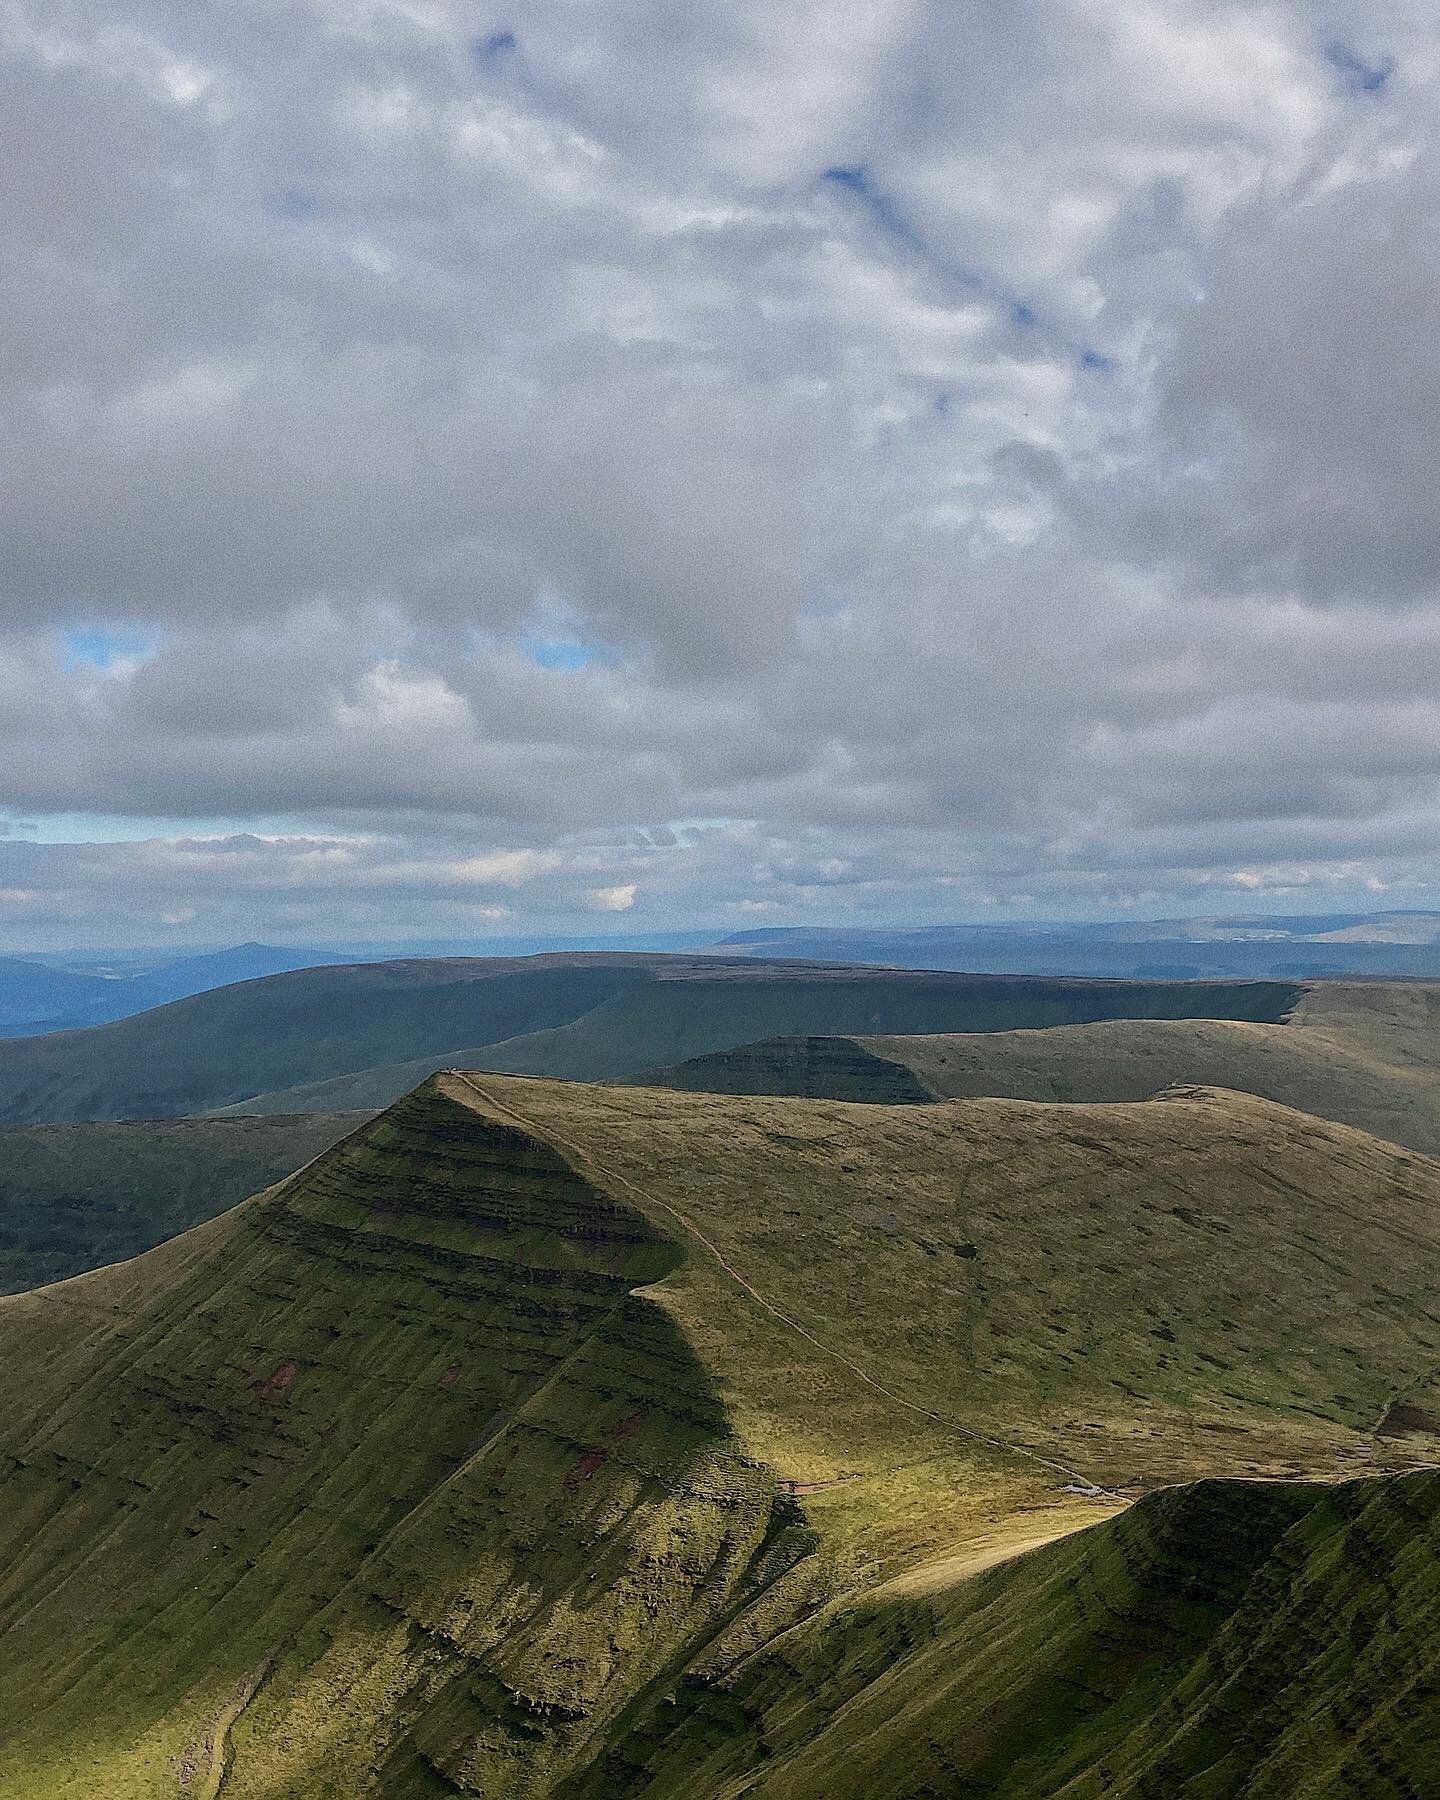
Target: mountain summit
541	1438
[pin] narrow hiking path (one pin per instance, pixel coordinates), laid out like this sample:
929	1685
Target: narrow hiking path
206	1764
1081	1482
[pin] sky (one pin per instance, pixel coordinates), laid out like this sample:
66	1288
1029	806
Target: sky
475	469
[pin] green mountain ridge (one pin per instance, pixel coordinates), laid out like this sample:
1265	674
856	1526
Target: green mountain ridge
1362	1054
581	1017
545	1438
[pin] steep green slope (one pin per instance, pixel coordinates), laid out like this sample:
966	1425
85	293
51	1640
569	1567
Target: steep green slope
1362	1054
1222	1639
219	1437
75	1196
579	1016
436	1468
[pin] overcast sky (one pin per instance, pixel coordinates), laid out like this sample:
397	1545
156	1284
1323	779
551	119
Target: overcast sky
476	469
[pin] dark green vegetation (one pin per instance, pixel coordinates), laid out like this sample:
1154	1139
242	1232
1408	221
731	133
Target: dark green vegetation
815	1068
73	1197
579	1016
1364	1054
543	1438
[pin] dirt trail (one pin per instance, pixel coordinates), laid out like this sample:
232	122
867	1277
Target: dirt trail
1083	1483
205	1764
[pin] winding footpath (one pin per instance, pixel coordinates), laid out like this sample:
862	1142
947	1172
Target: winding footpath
1078	1481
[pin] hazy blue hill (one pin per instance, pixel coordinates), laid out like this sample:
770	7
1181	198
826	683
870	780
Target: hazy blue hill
45	995
219	968
579	1016
50	993
35	997
1379	945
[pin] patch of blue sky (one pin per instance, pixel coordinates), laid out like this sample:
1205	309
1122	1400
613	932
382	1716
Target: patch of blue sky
855	179
114	828
106	647
567	655
706	822
1358	74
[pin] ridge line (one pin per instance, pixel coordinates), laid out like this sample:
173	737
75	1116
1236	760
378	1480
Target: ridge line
1090	1487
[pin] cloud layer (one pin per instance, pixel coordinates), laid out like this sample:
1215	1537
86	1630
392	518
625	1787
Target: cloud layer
705	463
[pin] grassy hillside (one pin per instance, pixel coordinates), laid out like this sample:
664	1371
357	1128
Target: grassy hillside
1221	1639
1359	1053
495	1452
579	1016
223	1046
73	1197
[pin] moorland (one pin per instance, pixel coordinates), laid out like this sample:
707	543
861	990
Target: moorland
545	1436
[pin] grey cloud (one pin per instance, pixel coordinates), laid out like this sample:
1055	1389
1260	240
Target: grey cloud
349	361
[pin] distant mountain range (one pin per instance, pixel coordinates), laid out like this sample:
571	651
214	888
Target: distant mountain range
296	1042
38	996
1256	947
42	994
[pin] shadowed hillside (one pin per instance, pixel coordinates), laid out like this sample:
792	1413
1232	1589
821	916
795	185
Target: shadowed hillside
73	1197
1223	1639
531	1407
579	1016
1362	1054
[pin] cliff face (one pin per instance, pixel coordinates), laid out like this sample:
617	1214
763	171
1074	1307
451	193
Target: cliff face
810	1068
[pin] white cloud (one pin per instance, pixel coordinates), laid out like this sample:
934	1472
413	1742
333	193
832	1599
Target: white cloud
993	447
619	898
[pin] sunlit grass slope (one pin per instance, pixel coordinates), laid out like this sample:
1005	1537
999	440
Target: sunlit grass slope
536	1427
1364	1054
1222	1639
73	1197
